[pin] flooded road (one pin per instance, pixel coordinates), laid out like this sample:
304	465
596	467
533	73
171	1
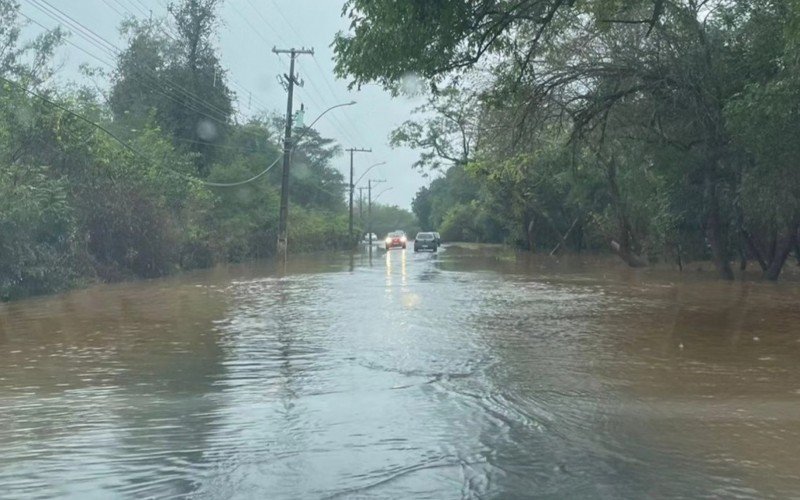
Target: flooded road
474	373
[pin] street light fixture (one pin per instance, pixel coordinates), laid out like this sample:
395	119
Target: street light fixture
378	195
308	127
288	149
369	212
367	171
332	107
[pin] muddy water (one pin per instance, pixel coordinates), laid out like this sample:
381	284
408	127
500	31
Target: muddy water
474	373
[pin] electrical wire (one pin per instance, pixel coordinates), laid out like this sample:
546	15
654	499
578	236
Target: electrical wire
265	21
138	154
130	148
349	131
165	30
112	50
323	74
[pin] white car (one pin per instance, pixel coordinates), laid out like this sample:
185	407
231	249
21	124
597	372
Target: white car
375	239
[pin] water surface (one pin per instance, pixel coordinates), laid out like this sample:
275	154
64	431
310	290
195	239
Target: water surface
472	373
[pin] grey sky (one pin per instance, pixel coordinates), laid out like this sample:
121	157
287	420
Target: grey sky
250	29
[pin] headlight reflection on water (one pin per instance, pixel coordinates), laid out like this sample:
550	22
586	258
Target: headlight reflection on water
390	267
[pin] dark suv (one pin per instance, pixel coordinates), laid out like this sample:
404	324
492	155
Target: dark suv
425	241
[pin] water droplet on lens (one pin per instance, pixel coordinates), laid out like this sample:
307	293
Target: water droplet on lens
206	130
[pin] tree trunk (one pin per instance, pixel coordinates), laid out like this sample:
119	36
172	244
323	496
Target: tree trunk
623	247
714	233
563	241
782	250
529	234
742	259
753	249
626	255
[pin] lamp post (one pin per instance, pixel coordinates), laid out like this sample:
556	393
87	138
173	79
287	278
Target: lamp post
367	171
379	194
289	147
352	187
369	212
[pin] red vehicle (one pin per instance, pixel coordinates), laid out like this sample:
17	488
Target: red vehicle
396	239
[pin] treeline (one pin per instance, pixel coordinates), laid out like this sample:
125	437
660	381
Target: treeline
663	130
76	205
388	218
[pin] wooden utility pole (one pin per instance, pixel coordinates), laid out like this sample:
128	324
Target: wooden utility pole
291	81
369	211
352	187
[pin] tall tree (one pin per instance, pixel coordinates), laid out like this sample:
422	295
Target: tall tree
204	115
176	80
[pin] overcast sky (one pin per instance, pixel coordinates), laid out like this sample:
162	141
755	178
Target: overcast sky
250	28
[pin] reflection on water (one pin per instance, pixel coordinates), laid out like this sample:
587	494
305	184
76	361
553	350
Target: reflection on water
474	373
396	264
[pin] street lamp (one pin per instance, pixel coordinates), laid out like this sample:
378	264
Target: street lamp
377	195
369	211
367	170
307	128
283	216
353	187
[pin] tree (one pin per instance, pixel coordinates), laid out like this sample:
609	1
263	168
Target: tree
27	62
765	119
177	80
448	133
388	41
204	116
621	121
387	218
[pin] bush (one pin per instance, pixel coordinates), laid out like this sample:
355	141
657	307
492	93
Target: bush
39	248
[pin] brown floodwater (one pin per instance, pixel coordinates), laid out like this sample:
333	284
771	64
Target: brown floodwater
476	372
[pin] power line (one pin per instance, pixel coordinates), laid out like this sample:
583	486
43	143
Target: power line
289	24
135	6
130	148
194	102
152	83
345	130
323	74
165	29
266	22
108	47
34	21
113	8
250	25
331	90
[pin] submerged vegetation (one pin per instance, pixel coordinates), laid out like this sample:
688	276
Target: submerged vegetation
661	130
120	182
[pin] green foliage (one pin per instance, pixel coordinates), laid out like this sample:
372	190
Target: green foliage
40	250
448	134
387	218
195	106
465	222
661	130
391	42
77	205
311	229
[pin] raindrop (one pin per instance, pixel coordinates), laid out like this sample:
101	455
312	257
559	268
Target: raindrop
206	130
412	84
301	171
